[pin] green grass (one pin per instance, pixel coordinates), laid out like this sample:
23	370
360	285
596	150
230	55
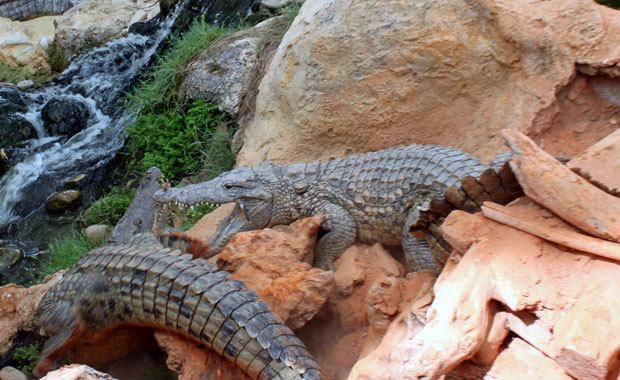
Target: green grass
27	357
109	208
65	252
181	138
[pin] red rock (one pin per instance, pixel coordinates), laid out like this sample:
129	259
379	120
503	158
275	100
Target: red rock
274	263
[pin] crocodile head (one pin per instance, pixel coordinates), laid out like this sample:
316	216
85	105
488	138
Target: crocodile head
251	190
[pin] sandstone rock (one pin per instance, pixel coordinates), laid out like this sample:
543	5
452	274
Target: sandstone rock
96	233
17	309
223	75
64	117
355	272
83	27
10	373
77	372
24	44
62	201
275	264
193	362
412	71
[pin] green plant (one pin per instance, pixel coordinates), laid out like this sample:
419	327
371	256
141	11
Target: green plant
65	252
176	140
109	208
7	74
27	357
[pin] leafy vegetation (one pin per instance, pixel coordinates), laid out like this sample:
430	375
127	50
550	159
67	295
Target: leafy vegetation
27	357
109	208
610	3
180	138
65	252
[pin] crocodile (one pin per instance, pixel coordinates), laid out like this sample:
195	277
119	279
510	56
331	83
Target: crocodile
374	197
22	10
142	283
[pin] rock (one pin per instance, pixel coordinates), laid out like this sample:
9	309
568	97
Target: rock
17	309
139	216
355	272
275	264
14	129
82	27
10	373
24	44
193	362
9	257
97	233
64	117
275	3
413	71
4	162
77	372
26	84
62	201
76	182
223	75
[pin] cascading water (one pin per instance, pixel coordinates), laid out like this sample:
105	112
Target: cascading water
98	80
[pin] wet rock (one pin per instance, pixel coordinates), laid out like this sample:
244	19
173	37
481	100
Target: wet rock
4	162
96	233
64	117
62	201
9	257
14	129
275	264
415	70
76	182
10	373
24	44
25	84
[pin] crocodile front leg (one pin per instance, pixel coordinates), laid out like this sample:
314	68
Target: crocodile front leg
417	252
341	231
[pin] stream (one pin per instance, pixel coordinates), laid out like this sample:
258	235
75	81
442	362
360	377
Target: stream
97	80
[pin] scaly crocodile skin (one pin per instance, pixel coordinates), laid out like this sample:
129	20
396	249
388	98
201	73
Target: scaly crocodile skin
374	197
141	283
21	10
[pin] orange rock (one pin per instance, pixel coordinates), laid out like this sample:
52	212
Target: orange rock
77	372
600	163
275	264
355	272
17	309
194	362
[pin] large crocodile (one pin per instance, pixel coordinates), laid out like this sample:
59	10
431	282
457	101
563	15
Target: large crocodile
375	197
21	10
141	283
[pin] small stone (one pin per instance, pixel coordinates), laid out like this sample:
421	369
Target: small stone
62	201
96	233
75	182
9	257
10	373
275	3
25	84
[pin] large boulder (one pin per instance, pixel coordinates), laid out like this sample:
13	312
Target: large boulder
94	22
360	76
24	44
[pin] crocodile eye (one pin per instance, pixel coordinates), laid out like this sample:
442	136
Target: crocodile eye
228	186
